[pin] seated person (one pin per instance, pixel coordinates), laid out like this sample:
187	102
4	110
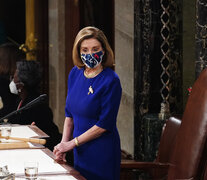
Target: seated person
25	83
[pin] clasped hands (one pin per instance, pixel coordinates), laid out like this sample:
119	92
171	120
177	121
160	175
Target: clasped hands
61	149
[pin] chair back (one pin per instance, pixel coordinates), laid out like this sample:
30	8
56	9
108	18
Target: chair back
167	140
191	137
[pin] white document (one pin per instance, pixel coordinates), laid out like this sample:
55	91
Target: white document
22	132
15	159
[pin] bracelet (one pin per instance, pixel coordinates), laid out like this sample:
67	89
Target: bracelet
76	141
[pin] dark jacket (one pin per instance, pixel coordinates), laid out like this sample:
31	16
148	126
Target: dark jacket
42	115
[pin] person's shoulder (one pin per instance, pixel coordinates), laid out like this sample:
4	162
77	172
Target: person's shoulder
75	68
110	78
111	74
74	71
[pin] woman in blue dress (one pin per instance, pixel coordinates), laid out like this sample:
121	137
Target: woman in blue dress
92	103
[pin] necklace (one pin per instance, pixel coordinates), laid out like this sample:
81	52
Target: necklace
93	74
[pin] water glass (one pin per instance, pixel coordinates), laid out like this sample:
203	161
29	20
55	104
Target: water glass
31	170
5	131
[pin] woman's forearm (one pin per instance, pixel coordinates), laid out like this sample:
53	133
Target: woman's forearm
67	129
67	145
90	134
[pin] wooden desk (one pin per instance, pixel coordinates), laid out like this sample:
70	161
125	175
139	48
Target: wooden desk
40	133
48	168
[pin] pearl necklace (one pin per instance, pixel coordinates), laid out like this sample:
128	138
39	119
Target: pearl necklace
93	74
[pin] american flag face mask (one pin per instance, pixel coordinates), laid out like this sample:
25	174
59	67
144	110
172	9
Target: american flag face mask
92	60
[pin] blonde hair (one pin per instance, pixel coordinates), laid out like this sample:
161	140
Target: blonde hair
87	33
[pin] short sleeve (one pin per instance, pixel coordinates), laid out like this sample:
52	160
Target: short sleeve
110	102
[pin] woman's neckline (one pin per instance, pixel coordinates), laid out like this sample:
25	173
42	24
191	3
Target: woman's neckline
92	74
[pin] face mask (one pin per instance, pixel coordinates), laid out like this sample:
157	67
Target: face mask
91	61
13	87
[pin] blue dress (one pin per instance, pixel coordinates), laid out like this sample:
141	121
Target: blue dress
98	159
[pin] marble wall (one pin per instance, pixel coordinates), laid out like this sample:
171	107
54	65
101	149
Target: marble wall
201	37
57	89
124	59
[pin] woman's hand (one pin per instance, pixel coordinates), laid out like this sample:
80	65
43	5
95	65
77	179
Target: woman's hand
63	147
59	156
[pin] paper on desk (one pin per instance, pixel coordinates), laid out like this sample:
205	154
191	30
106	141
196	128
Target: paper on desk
22	131
15	160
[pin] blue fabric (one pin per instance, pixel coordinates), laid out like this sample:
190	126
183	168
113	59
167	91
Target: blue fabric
93	60
98	159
